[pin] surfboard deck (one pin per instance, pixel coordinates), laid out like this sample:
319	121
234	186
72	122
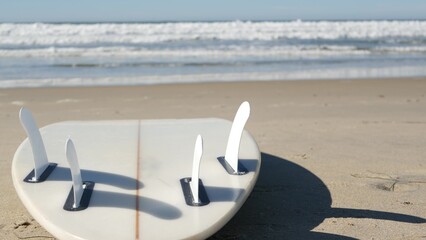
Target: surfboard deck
136	166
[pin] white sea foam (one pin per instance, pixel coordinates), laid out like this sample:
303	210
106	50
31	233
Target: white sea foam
42	34
282	51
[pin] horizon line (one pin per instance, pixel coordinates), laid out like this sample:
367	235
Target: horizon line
211	21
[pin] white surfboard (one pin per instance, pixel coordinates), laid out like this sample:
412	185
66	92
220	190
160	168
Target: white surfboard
134	174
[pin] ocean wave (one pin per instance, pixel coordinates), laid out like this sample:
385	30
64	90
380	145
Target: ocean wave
33	54
219	52
18	35
281	52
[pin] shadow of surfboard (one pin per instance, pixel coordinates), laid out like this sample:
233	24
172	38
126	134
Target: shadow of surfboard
147	205
223	194
155	207
249	164
117	180
289	201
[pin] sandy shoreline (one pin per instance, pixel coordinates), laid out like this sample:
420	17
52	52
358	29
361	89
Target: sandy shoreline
341	159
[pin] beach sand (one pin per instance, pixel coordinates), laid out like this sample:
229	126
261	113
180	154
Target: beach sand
340	159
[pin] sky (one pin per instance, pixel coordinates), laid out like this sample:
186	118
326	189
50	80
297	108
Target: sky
202	10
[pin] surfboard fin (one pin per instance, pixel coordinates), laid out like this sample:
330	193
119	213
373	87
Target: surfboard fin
79	196
230	160
193	188
42	167
198	153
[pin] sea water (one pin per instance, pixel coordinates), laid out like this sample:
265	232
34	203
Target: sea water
79	54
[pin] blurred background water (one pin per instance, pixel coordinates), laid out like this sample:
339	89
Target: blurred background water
76	54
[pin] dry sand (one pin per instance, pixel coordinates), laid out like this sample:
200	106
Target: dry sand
341	159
